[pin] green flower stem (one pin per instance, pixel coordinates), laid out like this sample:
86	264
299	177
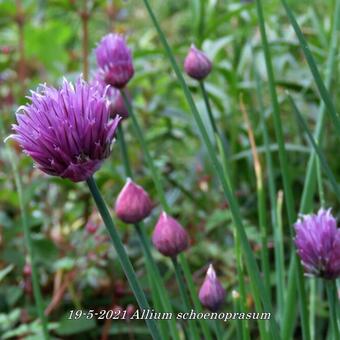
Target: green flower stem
261	201
184	296
289	198
163	294
332	301
275	217
124	152
151	165
241	300
160	292
194	295
252	267
218	329
28	239
123	258
207	104
309	185
158	184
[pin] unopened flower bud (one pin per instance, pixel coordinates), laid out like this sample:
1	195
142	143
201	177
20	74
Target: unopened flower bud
169	237
114	60
197	65
27	271
118	106
133	203
91	227
212	293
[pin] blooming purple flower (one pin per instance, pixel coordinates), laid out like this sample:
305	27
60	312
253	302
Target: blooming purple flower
211	293
196	64
133	203
169	237
114	60
318	244
67	131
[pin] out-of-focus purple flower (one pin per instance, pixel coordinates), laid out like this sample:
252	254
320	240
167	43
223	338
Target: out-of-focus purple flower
114	60
318	244
67	131
91	227
196	64
118	106
133	203
169	237
211	293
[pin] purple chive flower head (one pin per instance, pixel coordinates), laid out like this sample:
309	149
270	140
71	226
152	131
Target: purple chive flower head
67	131
318	244
211	293
169	237
196	64
133	203
114	60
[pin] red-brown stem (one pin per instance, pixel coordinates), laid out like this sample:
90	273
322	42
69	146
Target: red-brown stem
85	16
20	20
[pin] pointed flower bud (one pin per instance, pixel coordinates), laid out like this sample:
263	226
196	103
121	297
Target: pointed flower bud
114	60
133	203
169	237
212	293
67	131
318	244
196	64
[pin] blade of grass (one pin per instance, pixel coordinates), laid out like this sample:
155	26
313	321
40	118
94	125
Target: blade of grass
314	69
276	215
252	267
309	185
289	199
241	299
182	289
261	199
317	149
332	301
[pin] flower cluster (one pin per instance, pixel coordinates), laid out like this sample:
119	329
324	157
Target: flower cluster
318	244
68	131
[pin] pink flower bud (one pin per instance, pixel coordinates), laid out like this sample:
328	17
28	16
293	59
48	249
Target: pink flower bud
197	65
91	227
114	60
133	203
118	106
169	237
212	293
27	270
